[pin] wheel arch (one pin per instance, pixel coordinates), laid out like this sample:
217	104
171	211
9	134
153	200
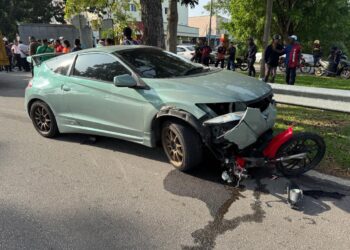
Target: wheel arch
178	115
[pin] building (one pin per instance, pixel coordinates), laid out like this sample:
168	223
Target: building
185	33
202	23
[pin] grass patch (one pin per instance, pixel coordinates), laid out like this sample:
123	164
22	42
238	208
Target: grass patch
334	127
318	82
313	81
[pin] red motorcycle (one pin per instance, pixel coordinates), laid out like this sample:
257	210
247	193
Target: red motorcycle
292	154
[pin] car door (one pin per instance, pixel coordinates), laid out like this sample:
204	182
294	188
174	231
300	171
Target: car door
97	105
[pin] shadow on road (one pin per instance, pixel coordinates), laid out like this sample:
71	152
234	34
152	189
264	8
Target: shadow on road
13	84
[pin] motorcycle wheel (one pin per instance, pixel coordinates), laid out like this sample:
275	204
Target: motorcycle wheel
319	72
282	67
243	66
305	68
311	144
345	74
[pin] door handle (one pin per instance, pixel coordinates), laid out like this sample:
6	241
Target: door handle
65	88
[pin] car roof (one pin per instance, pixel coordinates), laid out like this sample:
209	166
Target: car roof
115	48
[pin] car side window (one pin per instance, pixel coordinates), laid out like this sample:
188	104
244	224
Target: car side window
60	64
98	66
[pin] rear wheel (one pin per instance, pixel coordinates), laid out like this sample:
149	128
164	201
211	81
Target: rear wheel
182	145
305	67
311	144
43	119
282	66
243	66
345	74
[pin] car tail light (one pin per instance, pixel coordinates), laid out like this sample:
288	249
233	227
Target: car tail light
30	84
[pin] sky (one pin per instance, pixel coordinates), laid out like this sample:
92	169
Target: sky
199	10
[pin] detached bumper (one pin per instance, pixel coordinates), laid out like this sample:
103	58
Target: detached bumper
251	125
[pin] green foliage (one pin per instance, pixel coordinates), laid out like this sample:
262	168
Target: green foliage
28	11
117	10
325	20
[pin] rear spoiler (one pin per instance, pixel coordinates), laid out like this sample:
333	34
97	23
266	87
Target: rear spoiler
38	59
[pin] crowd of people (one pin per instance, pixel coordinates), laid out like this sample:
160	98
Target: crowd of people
273	52
17	52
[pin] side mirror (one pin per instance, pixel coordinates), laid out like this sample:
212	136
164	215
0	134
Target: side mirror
124	81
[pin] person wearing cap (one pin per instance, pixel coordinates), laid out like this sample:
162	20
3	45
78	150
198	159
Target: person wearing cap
251	56
293	52
272	55
317	52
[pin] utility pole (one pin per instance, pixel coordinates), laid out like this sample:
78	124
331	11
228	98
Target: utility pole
211	14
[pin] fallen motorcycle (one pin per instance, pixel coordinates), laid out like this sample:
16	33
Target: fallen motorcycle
326	68
290	153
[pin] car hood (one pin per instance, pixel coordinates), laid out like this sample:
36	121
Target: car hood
211	87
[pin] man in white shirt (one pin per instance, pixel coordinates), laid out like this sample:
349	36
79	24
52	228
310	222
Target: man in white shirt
23	51
16	54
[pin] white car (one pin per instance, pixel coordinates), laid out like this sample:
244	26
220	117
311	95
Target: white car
308	58
185	50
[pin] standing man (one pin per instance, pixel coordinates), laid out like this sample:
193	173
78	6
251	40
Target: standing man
16	54
272	54
251	57
8	68
44	48
33	45
23	51
232	57
205	51
317	52
293	59
197	53
58	46
220	57
127	31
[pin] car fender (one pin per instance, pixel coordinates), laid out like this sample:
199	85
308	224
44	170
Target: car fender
172	112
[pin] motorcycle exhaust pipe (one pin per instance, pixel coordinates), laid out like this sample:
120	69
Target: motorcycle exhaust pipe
291	157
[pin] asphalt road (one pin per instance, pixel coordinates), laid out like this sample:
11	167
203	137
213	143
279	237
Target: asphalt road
72	193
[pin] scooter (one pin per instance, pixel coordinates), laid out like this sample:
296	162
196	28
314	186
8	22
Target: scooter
326	68
291	154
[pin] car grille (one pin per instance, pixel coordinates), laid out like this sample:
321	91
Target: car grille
224	108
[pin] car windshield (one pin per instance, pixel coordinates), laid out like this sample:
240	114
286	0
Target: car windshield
156	63
190	48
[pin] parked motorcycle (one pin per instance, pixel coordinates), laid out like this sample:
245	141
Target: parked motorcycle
241	63
303	66
326	68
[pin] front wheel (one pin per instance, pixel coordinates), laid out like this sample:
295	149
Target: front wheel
243	66
311	144
182	145
305	67
319	71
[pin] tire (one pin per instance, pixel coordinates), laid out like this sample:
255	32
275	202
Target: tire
345	74
296	145
43	119
305	68
319	71
177	138
282	67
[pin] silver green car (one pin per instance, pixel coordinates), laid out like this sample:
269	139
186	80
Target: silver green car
152	97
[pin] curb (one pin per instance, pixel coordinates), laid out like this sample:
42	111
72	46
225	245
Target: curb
328	178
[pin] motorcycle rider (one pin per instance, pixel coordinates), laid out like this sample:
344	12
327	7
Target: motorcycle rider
317	52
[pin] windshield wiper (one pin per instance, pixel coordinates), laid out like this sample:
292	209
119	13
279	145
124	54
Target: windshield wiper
193	70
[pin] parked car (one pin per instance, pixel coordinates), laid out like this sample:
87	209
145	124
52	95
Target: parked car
148	96
185	50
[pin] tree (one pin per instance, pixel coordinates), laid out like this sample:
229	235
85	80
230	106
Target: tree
266	37
173	21
152	19
28	11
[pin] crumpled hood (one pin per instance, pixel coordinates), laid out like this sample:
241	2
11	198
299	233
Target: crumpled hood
213	87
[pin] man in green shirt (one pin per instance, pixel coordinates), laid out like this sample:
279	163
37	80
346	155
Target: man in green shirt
44	48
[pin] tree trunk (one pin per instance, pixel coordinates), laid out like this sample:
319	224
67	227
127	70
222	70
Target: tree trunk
172	26
152	19
267	31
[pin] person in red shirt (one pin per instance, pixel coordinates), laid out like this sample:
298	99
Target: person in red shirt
293	60
220	59
205	51
58	46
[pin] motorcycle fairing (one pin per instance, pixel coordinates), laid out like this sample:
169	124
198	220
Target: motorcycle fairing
251	126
